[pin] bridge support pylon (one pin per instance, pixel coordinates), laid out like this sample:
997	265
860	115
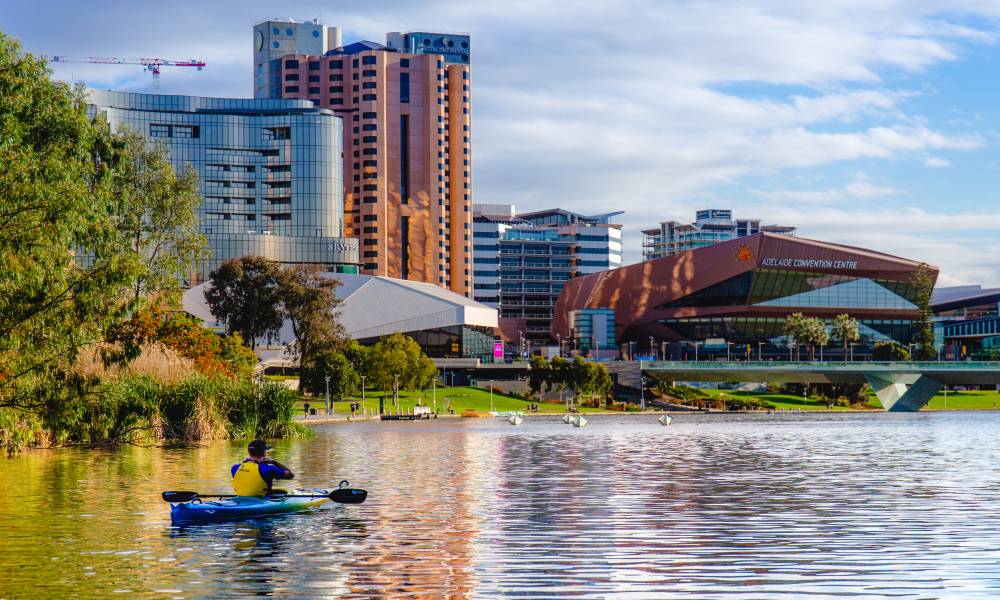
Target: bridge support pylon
903	393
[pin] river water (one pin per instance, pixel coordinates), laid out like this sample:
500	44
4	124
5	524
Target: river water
881	505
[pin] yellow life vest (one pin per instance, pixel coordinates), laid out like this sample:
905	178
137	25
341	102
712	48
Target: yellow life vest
248	482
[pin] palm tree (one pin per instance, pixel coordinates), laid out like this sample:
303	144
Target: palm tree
845	329
795	327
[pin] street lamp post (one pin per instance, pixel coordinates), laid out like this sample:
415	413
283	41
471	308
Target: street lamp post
559	341
326	395
852	350
434	394
760	351
696	352
652	349
729	355
491	395
642	391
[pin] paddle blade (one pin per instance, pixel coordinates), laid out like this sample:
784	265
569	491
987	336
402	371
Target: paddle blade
179	496
348	495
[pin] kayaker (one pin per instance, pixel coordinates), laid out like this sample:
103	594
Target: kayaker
256	474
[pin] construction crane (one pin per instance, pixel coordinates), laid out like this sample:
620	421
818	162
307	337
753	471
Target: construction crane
150	64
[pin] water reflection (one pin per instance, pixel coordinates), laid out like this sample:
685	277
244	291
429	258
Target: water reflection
900	505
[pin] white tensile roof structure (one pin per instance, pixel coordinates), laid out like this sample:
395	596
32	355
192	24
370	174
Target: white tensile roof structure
373	306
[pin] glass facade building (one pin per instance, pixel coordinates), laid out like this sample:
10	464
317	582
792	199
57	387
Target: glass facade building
740	293
522	262
711	226
269	170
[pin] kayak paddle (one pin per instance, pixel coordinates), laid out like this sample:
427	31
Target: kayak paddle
341	495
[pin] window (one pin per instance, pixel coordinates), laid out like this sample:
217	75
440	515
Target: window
370	163
336	77
354	63
370	242
370	187
370	199
371	254
336	100
314	79
336	64
368	115
314	90
291	64
368	73
404	87
291	76
368	60
336	89
314	64
368	97
369	139
368	85
291	89
185	131
156	130
370	151
371	229
369	127
277	133
404	62
404	158
370	218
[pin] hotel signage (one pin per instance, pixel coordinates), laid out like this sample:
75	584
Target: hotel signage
808	263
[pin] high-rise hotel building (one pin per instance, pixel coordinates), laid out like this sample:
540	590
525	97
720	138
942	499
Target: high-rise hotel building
407	157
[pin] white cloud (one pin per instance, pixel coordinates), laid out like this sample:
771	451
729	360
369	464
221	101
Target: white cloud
644	105
937	162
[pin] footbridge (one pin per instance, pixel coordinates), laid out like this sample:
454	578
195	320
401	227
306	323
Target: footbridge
900	386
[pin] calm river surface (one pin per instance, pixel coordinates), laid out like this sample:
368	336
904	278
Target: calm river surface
712	506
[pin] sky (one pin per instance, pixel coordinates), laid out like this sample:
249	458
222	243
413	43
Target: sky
865	122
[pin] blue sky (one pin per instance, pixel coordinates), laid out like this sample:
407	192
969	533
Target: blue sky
873	123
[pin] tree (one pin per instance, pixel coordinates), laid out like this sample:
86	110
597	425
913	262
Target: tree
890	351
539	375
344	379
845	329
63	278
244	295
806	330
922	280
815	334
309	303
399	359
795	328
156	213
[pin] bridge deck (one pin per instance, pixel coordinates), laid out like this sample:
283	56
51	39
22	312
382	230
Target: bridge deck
948	373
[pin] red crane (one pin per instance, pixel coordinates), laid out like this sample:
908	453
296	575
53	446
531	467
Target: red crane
150	64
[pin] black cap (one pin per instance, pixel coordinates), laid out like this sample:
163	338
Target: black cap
258	448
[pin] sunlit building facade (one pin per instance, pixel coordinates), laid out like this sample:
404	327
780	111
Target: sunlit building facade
269	172
740	292
407	153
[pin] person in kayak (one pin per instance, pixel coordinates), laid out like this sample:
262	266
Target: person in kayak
256	474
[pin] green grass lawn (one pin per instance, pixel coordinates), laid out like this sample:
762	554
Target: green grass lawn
458	398
971	400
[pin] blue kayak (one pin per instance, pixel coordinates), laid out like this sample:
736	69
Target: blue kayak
242	507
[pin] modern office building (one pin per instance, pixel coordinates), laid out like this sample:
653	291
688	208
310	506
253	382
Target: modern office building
407	157
711	226
740	292
523	261
445	324
269	171
967	322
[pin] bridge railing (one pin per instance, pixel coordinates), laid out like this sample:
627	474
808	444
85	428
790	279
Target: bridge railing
814	365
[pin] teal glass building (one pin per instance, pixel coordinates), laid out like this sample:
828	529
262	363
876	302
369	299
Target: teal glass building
270	172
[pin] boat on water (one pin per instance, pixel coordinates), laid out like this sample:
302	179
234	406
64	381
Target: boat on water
242	507
516	419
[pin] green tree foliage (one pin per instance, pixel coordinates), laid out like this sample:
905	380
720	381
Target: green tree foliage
245	295
539	375
65	274
399	356
309	302
806	330
845	329
156	213
890	351
923	280
344	379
